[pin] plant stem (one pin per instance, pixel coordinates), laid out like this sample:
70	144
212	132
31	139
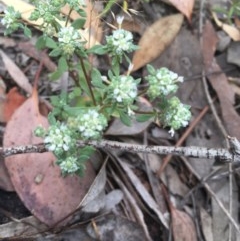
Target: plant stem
87	80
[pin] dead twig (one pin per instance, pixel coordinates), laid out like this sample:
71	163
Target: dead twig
219	154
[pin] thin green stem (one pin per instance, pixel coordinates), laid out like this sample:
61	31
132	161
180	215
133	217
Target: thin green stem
68	17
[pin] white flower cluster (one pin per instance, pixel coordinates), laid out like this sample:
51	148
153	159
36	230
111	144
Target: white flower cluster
177	115
69	40
58	138
69	165
120	41
91	124
47	10
162	82
10	17
123	89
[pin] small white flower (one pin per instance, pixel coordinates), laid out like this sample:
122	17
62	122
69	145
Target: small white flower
59	138
120	41
130	112
120	20
91	124
171	132
123	89
69	165
10	17
130	67
69	39
180	79
104	78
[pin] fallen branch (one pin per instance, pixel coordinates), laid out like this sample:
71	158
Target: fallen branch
219	154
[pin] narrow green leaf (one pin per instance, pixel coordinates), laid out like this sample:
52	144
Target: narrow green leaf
97	78
56	75
41	43
62	67
50	43
151	69
62	64
144	117
82	13
51	119
97	49
126	120
55	52
27	32
108	7
79	23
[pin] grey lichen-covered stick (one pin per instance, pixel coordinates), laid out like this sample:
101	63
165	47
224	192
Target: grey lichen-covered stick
219	154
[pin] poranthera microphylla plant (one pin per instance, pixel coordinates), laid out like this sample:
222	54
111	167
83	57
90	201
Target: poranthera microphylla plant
97	98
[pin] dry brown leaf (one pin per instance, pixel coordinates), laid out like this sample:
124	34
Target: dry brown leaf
36	178
141	189
184	6
29	49
156	39
182	226
220	82
207	224
232	31
13	101
16	73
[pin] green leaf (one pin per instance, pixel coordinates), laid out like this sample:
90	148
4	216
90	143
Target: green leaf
27	32
62	64
97	79
73	111
82	13
108	7
87	151
51	119
62	67
56	75
97	49
50	43
76	92
79	23
126	120
55	52
151	70
110	74
41	43
144	117
55	100
115	66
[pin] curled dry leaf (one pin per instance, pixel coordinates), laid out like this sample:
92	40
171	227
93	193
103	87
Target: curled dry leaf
156	39
36	178
184	6
182	226
233	32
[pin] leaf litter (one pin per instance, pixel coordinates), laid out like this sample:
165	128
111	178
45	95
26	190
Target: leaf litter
35	177
185	59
